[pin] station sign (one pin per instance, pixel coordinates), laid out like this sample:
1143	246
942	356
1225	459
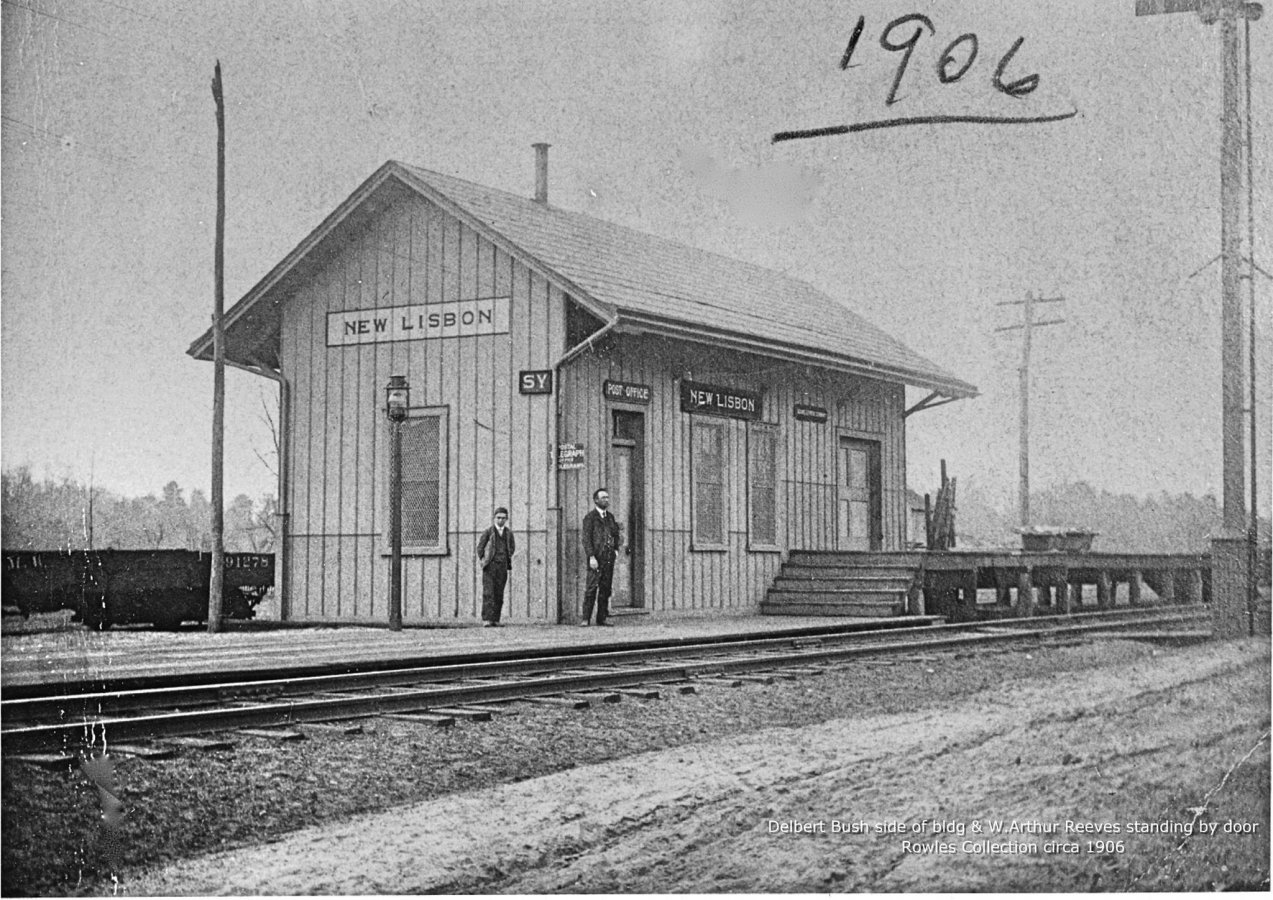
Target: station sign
461	318
626	392
805	413
714	400
570	456
535	381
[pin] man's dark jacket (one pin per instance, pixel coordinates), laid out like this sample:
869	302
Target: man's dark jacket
600	536
486	546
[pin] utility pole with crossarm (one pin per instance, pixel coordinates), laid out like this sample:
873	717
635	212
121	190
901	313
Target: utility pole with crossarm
1230	565
1028	324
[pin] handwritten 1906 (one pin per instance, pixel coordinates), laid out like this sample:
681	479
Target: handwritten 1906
955	61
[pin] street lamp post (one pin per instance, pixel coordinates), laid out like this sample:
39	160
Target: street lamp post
397	402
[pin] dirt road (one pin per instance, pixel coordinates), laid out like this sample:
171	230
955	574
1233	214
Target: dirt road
1117	751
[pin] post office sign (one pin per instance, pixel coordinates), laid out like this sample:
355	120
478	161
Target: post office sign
626	392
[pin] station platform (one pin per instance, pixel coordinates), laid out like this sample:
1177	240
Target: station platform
76	655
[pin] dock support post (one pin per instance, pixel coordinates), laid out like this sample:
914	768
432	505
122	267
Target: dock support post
1168	584
1025	593
1063	593
1134	588
970	595
1003	588
1104	590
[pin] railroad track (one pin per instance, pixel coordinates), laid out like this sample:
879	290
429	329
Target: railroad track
87	721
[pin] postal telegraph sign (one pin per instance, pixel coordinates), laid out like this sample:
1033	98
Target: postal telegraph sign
713	400
570	456
461	318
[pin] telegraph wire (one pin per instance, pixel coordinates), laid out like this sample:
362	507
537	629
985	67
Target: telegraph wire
134	12
40	12
63	141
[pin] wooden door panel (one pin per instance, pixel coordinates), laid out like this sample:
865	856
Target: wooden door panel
858	506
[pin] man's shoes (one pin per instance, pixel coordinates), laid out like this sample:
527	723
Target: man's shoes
584	624
490	624
606	624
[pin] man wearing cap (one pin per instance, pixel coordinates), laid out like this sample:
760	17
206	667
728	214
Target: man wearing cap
495	549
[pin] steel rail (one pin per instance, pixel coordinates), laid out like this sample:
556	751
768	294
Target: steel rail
116	682
93	731
58	707
128	682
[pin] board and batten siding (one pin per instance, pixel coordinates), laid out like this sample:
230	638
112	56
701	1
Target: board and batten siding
498	441
677	577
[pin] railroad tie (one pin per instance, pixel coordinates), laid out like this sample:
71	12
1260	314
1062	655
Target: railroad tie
46	760
145	751
784	675
333	727
423	718
463	712
201	743
681	687
722	680
569	702
641	693
600	696
271	734
493	710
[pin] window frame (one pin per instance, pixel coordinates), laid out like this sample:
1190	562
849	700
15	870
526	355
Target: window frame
443	547
773	433
721	427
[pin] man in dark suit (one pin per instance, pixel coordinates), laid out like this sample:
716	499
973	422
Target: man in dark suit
600	543
495	548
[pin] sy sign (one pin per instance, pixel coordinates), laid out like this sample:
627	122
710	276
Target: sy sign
535	381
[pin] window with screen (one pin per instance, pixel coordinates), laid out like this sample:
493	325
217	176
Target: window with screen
424	480
708	474
762	485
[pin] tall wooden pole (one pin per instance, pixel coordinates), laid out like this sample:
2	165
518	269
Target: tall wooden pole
218	374
1230	560
1253	520
1027	325
1024	450
1230	282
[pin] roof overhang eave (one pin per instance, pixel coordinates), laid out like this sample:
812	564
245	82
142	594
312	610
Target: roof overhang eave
953	388
201	348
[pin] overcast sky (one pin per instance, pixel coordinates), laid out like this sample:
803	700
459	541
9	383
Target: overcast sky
661	117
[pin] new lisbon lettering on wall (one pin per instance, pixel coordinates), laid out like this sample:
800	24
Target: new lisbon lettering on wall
714	400
460	318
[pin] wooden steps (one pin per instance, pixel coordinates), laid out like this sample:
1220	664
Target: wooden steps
814	583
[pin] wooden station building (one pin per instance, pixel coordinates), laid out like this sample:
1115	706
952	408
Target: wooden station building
734	413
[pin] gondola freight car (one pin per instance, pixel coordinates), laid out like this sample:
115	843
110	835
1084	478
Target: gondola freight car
120	587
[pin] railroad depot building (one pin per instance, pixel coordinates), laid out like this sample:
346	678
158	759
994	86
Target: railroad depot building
734	413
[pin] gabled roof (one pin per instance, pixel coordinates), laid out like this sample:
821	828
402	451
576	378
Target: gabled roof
637	282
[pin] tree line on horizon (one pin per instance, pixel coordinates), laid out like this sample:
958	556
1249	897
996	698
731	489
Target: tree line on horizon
1123	523
49	514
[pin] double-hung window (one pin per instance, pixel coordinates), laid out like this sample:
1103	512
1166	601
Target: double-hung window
762	486
424	475
707	473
